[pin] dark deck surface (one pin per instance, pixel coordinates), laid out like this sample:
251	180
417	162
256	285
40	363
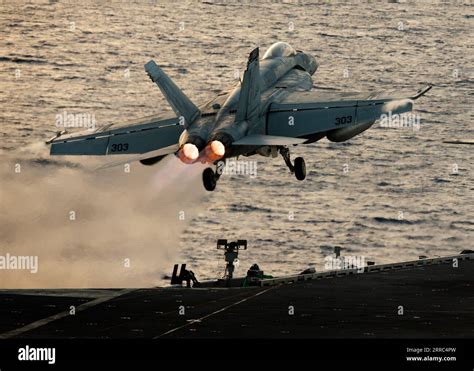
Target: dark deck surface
437	301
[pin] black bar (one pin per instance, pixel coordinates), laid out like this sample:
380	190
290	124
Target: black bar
70	351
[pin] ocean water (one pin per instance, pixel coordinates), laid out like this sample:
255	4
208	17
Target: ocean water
386	195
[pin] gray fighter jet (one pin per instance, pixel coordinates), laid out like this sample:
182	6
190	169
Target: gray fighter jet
273	107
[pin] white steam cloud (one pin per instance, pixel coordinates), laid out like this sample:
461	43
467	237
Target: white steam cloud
89	228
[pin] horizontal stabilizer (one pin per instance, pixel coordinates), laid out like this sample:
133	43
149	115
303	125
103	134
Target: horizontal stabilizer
178	101
267	140
160	152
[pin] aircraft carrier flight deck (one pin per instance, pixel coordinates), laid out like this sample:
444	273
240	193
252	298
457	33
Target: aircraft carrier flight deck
430	298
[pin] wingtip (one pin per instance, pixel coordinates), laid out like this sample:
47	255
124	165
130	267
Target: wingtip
422	92
56	136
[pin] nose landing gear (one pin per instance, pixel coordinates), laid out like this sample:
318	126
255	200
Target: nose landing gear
298	168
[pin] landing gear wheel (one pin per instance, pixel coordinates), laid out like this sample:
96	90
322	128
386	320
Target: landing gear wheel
209	179
300	168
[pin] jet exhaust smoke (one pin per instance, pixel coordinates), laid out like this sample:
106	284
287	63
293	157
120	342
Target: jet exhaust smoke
111	228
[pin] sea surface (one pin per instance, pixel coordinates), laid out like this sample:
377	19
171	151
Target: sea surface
389	194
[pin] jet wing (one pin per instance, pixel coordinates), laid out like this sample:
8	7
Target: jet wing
141	136
304	113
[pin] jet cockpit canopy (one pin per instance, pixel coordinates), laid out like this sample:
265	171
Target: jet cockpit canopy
279	49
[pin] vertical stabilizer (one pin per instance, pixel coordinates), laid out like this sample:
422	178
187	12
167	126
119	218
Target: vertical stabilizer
248	107
178	101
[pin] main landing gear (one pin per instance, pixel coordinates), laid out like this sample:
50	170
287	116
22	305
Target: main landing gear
298	168
210	178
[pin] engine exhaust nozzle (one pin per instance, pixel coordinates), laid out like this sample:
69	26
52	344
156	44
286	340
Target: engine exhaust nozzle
214	151
188	153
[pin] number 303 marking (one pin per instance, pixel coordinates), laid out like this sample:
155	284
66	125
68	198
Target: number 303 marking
343	120
119	147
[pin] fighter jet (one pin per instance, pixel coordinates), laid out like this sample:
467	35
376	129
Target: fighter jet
273	107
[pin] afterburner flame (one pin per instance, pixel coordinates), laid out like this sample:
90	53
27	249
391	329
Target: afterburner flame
213	152
217	148
189	153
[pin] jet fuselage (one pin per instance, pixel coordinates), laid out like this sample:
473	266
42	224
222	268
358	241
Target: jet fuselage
281	68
